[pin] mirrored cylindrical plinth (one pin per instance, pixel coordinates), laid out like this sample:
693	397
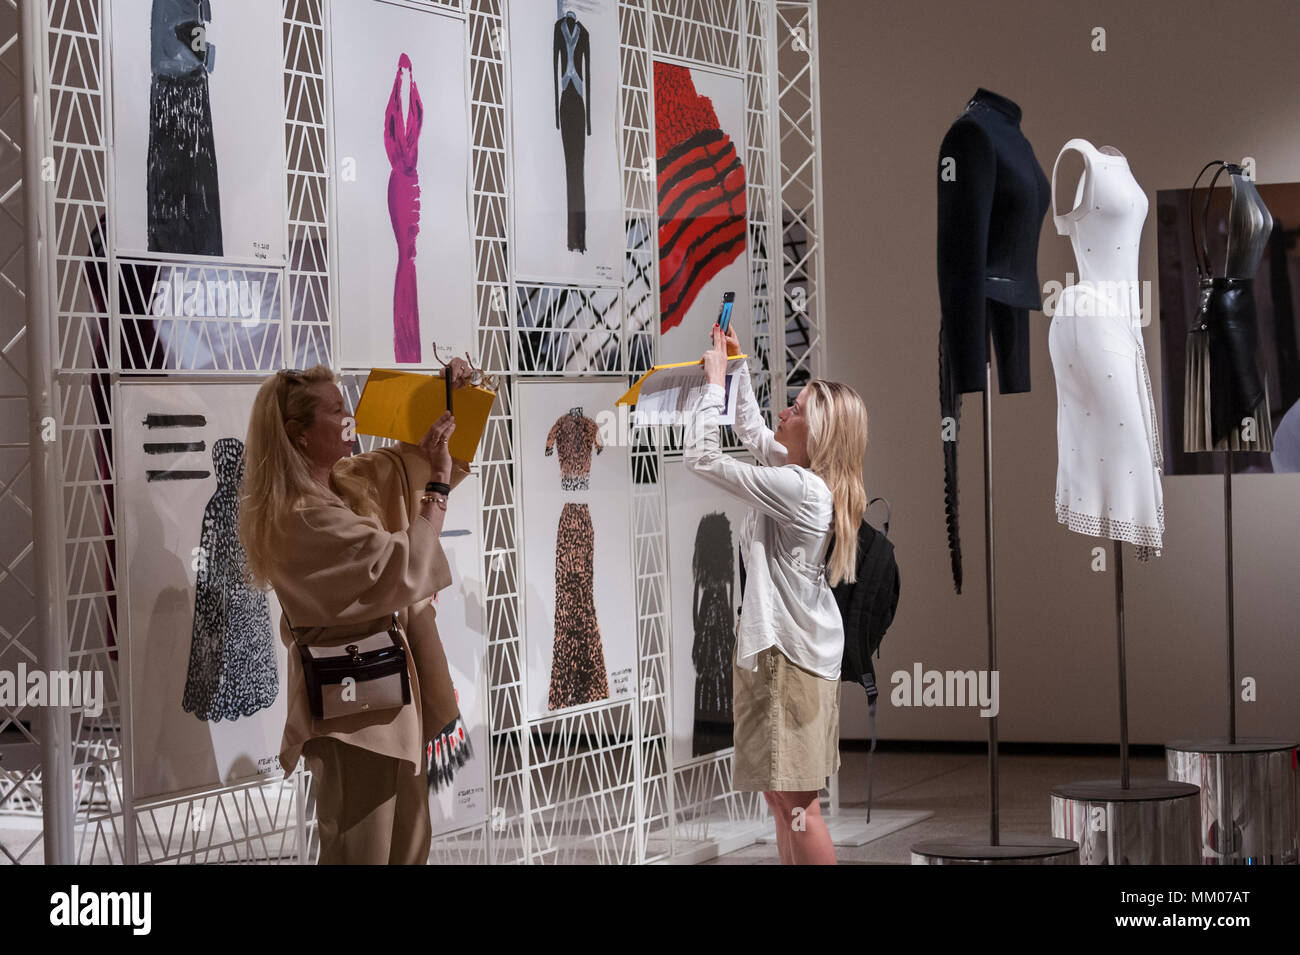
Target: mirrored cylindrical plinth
1248	804
1152	822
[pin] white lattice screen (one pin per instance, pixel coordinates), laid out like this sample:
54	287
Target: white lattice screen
596	784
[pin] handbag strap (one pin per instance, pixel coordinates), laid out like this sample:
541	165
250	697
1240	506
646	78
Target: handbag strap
1201	250
293	630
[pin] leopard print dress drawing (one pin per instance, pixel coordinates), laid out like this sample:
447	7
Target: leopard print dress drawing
232	669
578	672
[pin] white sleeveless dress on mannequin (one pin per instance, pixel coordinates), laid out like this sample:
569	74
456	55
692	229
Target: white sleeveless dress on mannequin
1109	459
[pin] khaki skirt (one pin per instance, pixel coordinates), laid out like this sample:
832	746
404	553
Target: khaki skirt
787	726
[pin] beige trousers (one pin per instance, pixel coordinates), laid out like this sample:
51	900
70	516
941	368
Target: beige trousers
370	810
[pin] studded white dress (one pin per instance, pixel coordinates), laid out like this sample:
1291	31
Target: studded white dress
1109	460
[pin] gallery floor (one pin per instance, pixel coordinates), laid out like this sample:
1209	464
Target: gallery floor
954	787
950	786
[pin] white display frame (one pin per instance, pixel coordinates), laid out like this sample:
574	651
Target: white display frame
110	128
522	574
453	10
518	276
664	806
132	807
747	343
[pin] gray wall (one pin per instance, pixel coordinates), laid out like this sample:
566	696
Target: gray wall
1180	84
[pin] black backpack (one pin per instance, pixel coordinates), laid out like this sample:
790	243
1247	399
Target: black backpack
867	607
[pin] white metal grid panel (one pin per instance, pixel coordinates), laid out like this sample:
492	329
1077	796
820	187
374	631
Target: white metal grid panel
595	784
20	793
798	115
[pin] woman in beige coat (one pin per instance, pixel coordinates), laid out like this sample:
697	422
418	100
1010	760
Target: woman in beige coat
345	540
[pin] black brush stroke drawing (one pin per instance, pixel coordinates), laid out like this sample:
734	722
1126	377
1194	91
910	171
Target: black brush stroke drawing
176	475
157	420
173	447
183	202
715	634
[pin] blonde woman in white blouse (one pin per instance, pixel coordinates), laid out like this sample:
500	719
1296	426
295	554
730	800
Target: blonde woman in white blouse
806	485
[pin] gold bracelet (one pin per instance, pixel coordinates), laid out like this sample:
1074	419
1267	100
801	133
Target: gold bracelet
439	499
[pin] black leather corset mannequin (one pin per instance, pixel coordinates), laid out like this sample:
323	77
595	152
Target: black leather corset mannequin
1224	385
993	196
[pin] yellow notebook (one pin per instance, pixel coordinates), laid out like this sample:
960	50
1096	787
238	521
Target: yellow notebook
403	404
630	396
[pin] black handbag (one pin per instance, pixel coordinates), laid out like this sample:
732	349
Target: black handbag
366	674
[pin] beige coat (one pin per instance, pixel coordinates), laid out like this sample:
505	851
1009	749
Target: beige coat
341	575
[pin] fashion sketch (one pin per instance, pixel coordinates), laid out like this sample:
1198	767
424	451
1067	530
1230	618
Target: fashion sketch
401	142
232	669
571	79
713	613
701	193
447	752
181	190
578	672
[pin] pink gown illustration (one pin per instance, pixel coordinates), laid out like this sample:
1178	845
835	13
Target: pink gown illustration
401	141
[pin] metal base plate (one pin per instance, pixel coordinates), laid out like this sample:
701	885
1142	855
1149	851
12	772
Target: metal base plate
1012	849
1149	822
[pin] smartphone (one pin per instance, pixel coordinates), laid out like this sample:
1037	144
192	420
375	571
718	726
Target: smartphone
724	314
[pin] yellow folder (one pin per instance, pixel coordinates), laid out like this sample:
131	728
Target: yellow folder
630	396
403	404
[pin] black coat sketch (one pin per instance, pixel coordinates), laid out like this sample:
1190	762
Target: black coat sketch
571	79
713	613
232	669
182	196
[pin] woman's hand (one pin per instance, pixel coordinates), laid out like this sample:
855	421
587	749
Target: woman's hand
715	359
460	372
733	343
434	445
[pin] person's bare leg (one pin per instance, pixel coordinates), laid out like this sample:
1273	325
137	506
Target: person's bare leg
810	841
782	820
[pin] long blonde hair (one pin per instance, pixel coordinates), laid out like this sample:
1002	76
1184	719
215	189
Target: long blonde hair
837	441
277	476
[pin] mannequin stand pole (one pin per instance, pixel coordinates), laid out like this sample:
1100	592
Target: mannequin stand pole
1123	665
1248	785
1014	849
1142	822
1232	626
994	825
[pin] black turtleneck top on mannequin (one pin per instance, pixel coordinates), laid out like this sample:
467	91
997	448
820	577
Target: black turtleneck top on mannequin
992	200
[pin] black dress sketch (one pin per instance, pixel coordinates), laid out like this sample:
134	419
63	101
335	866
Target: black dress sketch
712	610
578	672
232	670
182	198
571	79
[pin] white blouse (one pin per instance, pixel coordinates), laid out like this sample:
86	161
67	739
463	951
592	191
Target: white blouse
788	602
